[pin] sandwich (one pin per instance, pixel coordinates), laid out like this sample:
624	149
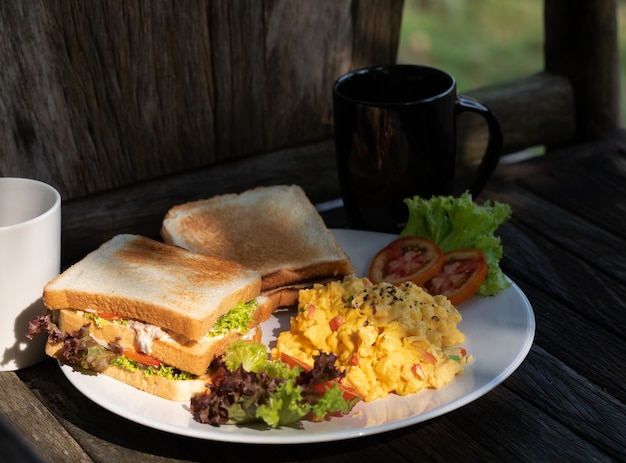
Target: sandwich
151	315
274	230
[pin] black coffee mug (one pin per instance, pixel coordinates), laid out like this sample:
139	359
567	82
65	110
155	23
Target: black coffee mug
395	138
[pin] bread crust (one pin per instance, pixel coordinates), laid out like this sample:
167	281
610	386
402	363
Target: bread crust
274	230
164	285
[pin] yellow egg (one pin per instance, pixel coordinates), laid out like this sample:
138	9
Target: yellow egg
388	339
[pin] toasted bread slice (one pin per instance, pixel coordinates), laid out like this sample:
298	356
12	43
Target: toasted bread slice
191	356
177	390
164	285
274	230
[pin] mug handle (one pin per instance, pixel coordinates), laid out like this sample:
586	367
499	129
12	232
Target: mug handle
493	151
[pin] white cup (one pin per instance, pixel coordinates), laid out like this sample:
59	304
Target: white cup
30	256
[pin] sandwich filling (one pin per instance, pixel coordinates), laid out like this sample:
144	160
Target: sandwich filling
82	348
237	319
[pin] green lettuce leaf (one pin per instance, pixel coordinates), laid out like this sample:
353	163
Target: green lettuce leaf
269	391
252	356
332	403
238	318
456	223
284	406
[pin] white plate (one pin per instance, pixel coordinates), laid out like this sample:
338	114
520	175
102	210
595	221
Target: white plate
499	330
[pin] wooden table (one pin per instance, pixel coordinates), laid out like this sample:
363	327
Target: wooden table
565	247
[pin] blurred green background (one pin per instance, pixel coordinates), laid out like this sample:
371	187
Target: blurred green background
483	42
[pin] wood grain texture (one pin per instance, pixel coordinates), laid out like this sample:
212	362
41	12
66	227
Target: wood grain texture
564	180
581	44
533	110
35	422
100	94
599	421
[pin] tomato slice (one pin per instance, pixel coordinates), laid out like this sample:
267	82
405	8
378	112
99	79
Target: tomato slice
462	273
336	322
294	362
410	258
142	358
348	392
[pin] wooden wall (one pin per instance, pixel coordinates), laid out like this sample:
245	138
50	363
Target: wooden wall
100	94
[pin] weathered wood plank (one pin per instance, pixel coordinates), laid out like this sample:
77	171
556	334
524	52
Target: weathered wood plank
102	435
581	44
96	95
530	257
534	110
33	420
510	428
564	395
600	164
15	448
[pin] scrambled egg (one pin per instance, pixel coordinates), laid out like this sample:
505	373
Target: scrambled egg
388	339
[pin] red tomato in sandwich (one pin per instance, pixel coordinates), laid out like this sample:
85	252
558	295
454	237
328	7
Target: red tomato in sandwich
410	258
462	273
142	358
